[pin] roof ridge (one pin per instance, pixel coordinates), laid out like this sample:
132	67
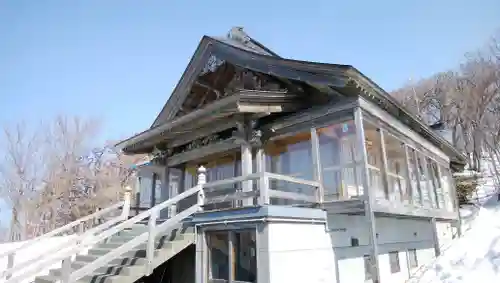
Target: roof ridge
238	34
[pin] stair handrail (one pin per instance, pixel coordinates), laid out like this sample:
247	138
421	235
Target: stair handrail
11	268
72	242
148	236
69	275
152	213
63	229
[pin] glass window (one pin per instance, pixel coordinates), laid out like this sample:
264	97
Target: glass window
396	169
394	262
368	269
412	258
218	249
423	181
414	179
232	254
446	183
340	162
219	167
290	156
373	146
145	185
435	182
157	188
245	267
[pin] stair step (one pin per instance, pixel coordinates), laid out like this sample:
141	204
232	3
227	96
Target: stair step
117	261
114	245
47	279
106	278
125	269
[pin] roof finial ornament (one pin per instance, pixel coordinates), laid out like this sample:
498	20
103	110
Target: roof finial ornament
238	34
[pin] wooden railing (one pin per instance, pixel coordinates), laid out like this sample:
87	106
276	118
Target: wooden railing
12	268
261	194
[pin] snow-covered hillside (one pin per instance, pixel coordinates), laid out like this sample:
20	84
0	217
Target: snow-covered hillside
475	257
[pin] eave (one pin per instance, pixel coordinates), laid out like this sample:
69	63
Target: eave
370	90
241	102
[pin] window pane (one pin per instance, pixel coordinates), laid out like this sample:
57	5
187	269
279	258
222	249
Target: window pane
340	162
436	187
394	262
374	154
446	183
158	184
423	181
218	243
412	258
145	184
368	270
290	156
245	268
397	174
439	187
414	179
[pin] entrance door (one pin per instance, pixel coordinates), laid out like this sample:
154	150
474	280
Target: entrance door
232	256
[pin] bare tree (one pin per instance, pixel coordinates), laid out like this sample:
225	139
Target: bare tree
56	174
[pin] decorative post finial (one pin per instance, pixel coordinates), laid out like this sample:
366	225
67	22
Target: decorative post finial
202	180
202	176
127	199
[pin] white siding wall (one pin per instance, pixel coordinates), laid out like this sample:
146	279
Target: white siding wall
445	233
393	235
300	253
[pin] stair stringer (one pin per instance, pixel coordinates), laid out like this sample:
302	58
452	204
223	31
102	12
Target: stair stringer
130	267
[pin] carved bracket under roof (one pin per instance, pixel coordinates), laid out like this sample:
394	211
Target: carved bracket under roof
219	78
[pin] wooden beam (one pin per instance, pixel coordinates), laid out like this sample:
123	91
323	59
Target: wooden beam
245	129
316	159
402	128
201	152
368	196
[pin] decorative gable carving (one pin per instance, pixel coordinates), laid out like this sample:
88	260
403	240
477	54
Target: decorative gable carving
219	78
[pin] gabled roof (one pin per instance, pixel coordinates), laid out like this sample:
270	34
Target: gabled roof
241	50
237	38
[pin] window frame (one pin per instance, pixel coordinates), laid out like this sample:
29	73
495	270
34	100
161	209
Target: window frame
231	231
392	261
367	266
412	258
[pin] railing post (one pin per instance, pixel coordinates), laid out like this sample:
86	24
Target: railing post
81	228
150	250
202	180
66	270
264	189
317	165
263	181
126	203
10	264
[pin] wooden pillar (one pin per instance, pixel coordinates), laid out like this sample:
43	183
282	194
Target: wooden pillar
316	159
137	193
435	237
368	196
263	184
383	153
455	204
153	189
165	192
409	186
246	158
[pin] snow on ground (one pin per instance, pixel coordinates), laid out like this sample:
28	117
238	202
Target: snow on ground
475	257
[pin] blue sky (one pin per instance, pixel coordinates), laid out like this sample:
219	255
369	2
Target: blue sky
120	60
